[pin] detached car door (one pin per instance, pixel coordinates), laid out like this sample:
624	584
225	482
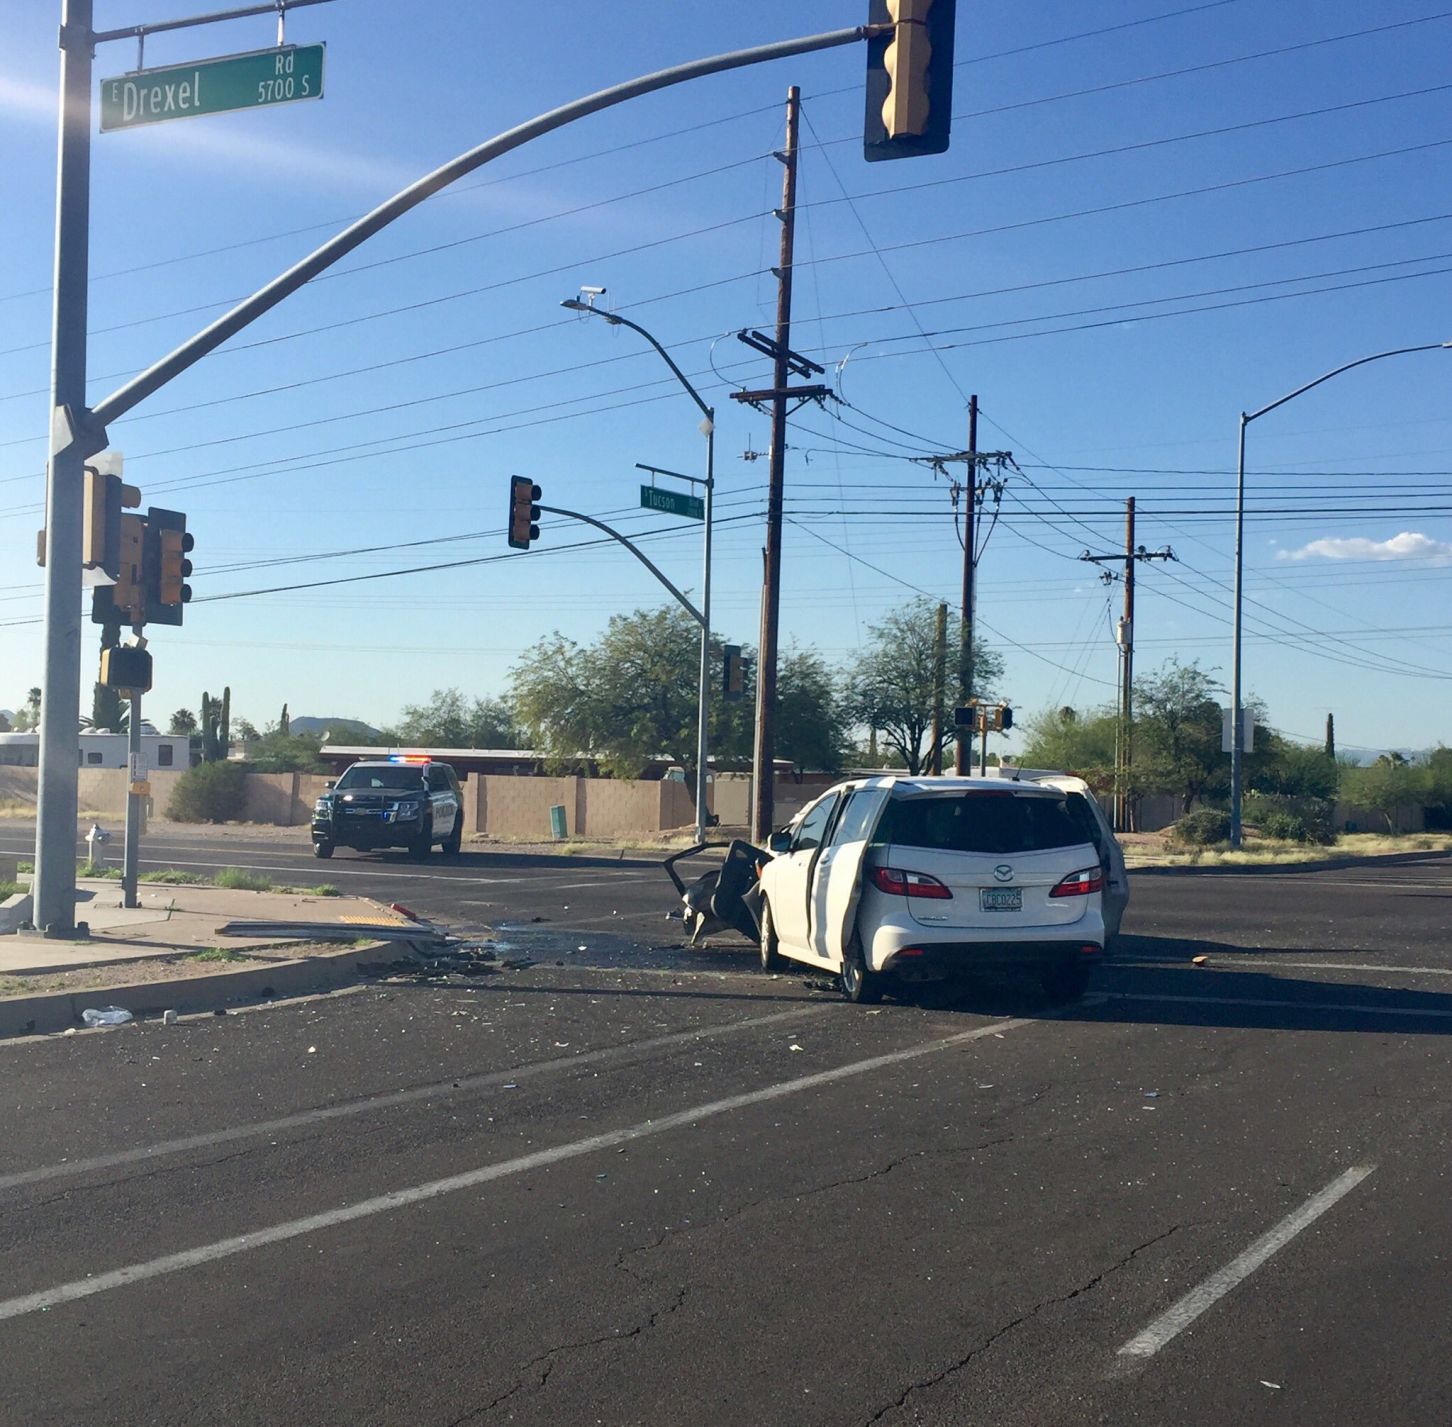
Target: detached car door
837	883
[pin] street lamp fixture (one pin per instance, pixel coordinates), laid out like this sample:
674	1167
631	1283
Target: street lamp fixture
708	429
1237	740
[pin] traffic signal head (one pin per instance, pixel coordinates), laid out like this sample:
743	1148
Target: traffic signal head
523	512
1003	718
165	567
909	79
127	669
175	567
104	496
733	677
124	603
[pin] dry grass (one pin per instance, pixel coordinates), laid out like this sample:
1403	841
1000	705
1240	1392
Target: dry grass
1153	850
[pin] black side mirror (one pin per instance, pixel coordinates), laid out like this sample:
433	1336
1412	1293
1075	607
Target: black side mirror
780	841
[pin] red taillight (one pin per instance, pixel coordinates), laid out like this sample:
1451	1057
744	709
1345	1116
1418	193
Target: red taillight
1080	883
898	883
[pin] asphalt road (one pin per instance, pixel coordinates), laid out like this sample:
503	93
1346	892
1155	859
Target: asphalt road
635	1183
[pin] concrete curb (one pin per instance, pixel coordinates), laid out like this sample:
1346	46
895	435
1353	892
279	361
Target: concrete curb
14	913
59	1010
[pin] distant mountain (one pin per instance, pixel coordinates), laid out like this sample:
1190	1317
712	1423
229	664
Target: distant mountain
339	728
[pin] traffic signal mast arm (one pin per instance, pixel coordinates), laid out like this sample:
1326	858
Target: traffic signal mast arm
521	483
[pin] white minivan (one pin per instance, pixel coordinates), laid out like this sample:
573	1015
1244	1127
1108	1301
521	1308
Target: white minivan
926	876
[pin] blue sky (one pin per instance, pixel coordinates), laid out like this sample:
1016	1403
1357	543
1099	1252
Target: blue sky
1049	262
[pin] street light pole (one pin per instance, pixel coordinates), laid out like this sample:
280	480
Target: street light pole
708	429
1237	741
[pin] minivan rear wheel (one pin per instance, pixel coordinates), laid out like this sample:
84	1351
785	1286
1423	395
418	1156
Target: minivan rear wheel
859	985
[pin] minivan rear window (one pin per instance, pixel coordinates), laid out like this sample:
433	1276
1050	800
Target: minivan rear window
981	822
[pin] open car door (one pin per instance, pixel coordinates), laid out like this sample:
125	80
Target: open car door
837	881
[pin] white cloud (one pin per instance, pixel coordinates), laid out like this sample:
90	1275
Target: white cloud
1409	545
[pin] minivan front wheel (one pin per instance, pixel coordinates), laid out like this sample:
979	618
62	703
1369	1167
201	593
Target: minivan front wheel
771	958
859	985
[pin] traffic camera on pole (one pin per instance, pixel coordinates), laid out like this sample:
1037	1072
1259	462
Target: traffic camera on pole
909	79
524	498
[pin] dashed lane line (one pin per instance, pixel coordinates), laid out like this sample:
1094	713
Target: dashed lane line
437	1090
49	1298
1171	1323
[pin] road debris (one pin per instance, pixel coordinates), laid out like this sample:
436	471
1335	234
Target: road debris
106	1016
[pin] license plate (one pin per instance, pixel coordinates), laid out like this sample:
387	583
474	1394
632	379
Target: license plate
1001	899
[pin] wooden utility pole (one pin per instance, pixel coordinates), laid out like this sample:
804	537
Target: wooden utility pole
1124	637
940	680
764	753
1126	675
963	751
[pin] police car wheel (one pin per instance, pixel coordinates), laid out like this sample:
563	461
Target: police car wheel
455	839
322	849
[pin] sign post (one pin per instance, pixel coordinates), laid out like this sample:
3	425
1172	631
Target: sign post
256	80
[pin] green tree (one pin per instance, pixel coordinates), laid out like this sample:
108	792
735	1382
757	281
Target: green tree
279	752
1076	743
109	712
284	723
29	717
183	721
1177	732
893	682
449	720
1387	786
1293	770
626	699
812	723
247	731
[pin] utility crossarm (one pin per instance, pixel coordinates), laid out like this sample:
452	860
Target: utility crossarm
644	559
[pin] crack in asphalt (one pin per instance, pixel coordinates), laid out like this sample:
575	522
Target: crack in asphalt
544	1364
880	1172
959	1364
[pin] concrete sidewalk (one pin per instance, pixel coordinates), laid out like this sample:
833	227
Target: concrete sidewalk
169	953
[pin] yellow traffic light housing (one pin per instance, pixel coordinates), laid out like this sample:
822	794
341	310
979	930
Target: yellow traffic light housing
909	78
523	512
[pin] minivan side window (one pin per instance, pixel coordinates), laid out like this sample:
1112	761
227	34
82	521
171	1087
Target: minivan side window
811	828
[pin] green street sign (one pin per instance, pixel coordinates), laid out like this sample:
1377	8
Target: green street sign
673	502
213	86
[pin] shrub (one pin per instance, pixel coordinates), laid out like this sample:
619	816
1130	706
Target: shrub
1311	820
1202	828
209	793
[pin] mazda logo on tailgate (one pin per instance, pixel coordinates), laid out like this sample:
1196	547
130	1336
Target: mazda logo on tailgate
1003	873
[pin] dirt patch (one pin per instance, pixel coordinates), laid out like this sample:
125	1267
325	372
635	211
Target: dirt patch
148	970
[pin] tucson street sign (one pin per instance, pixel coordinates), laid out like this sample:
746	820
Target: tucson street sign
213	86
672	502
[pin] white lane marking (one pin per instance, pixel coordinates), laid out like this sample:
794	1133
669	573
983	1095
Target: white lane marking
1176	1319
1283	1004
416	1194
1253	957
437	1090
